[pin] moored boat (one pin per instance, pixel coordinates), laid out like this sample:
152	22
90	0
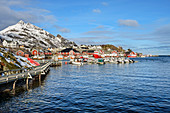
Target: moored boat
77	62
100	61
96	54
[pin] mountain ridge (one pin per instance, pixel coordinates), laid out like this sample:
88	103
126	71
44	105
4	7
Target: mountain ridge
30	35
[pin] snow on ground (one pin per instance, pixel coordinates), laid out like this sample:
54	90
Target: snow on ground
24	59
1	54
6	37
8	60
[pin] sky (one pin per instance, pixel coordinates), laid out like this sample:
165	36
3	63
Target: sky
141	25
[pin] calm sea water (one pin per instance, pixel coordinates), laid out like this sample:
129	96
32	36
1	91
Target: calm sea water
137	87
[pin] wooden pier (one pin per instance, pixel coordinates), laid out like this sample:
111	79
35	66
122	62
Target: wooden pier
12	76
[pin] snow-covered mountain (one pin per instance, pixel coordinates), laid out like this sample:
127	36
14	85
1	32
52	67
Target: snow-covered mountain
32	36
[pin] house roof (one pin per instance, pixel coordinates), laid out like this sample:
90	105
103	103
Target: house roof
89	51
69	49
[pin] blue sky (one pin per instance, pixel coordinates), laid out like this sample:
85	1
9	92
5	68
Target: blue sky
142	25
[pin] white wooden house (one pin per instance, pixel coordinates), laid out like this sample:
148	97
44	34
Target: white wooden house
12	44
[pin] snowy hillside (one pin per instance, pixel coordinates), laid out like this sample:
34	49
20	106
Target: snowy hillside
32	36
11	61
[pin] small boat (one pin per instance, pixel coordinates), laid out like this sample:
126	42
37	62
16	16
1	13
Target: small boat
60	57
100	61
77	63
96	54
143	56
106	60
72	56
132	61
121	60
127	61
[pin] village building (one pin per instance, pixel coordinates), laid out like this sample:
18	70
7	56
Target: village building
47	52
20	53
23	53
121	54
106	54
69	51
75	46
132	54
98	47
88	52
84	47
12	44
37	52
114	53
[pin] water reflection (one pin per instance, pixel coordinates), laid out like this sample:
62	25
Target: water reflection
21	87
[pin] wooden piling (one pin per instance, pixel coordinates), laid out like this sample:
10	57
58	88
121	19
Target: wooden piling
40	79
13	88
27	83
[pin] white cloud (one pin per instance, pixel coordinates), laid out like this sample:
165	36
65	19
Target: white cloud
104	3
61	29
104	32
132	23
10	16
94	40
96	10
100	27
64	30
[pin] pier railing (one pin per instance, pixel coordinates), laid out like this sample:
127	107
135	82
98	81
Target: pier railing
12	75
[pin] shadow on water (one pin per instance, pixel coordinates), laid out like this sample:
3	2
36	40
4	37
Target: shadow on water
6	92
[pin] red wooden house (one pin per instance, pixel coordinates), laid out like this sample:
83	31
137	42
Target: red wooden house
47	52
114	53
88	52
20	53
37	52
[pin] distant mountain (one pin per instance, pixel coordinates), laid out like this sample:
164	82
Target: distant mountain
32	36
108	46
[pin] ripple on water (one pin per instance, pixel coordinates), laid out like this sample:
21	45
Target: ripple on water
138	87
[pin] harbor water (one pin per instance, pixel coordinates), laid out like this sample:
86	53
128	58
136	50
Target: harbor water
136	87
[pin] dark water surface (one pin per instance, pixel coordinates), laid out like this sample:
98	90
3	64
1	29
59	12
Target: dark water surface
138	87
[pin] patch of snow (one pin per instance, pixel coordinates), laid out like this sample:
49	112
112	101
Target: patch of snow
1	54
7	60
17	65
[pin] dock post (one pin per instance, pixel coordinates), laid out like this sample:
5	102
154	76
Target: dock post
13	88
40	79
27	83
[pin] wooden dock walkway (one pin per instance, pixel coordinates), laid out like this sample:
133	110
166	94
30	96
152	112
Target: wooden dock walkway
27	73
12	76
